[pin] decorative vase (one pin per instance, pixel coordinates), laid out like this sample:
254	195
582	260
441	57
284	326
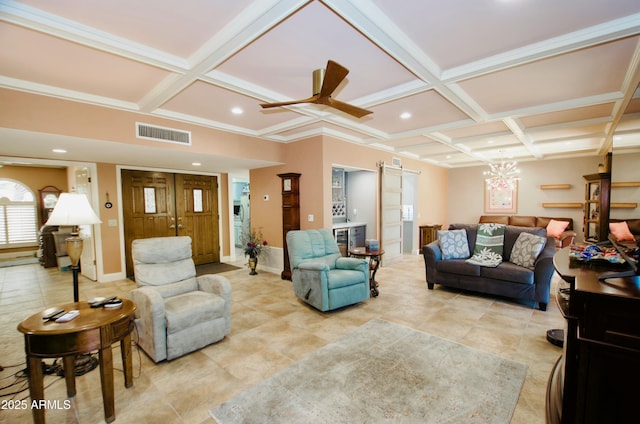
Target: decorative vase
253	263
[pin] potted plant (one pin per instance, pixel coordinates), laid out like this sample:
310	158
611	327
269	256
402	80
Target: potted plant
253	248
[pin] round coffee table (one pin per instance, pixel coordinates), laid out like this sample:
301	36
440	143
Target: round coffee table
93	329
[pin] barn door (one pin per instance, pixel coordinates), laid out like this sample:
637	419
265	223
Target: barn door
390	213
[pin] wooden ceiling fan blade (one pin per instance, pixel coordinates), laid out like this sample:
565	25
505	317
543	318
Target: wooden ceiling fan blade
311	99
356	111
333	76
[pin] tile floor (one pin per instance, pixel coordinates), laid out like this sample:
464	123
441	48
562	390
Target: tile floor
271	330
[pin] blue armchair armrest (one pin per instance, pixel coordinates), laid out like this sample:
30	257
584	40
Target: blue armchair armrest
350	263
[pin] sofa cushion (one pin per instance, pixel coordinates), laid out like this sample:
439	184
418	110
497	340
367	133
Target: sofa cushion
458	266
556	228
522	221
489	245
343	277
526	249
454	244
543	221
508	271
511	234
495	219
621	231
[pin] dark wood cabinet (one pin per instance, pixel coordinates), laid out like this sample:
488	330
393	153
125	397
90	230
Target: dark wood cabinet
596	206
427	234
49	196
290	214
597	203
596	379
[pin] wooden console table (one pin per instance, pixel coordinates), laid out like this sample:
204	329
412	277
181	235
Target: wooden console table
596	379
94	329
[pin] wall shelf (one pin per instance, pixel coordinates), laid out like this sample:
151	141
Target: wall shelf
555	186
626	184
562	205
618	205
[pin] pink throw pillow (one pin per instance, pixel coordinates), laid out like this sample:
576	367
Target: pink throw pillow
556	228
621	231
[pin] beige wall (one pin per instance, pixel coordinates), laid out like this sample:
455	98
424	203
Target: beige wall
466	188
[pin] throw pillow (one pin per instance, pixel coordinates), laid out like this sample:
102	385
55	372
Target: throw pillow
489	245
526	249
621	231
454	244
556	228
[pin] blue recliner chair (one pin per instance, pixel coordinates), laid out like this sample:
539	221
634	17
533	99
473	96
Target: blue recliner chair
321	276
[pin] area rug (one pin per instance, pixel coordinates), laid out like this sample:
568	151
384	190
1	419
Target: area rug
384	372
214	268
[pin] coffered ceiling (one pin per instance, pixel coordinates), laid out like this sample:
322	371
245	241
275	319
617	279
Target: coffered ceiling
479	79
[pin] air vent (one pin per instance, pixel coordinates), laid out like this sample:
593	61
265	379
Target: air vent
168	135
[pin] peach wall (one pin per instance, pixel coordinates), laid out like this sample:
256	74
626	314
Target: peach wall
432	180
303	157
43	114
314	158
36	178
107	183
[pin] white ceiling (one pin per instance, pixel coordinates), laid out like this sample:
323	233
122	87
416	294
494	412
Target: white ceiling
524	79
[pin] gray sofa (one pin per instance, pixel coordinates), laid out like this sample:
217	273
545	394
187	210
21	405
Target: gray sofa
507	279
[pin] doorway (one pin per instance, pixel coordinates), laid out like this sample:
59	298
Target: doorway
162	204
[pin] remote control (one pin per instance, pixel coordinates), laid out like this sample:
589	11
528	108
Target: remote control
101	301
68	316
52	316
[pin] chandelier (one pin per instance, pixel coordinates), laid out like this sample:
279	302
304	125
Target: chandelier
502	176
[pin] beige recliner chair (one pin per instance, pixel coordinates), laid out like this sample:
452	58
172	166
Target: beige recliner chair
177	312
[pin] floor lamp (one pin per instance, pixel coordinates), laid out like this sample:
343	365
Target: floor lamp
73	209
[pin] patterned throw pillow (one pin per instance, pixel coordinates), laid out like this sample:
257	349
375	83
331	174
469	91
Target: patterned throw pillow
454	244
526	249
489	245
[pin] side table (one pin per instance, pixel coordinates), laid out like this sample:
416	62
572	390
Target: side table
374	256
93	329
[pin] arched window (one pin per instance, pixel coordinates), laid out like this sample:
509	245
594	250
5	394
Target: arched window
18	215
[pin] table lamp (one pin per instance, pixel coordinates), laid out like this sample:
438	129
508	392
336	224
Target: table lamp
73	209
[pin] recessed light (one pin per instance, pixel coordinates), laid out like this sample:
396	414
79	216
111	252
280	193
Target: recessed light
490	142
405	115
196	164
237	110
59	151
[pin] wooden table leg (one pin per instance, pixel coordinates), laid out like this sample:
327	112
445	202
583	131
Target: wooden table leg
106	378
36	387
127	363
69	366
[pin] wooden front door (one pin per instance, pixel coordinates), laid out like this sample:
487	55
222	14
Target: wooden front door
197	215
161	204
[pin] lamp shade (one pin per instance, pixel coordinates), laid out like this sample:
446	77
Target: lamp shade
73	209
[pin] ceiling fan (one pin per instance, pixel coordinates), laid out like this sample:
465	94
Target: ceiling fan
324	83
